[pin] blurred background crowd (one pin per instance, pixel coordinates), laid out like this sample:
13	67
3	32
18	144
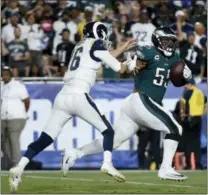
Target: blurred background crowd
38	36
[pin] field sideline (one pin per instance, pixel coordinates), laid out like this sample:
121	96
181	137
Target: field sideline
52	182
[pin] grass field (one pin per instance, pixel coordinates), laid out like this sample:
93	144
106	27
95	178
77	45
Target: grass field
87	182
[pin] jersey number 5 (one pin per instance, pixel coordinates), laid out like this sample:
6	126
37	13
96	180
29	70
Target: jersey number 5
160	79
74	62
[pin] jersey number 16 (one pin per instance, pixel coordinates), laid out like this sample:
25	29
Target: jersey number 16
75	59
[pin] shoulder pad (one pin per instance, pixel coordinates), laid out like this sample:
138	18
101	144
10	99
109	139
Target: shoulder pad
148	46
140	55
98	45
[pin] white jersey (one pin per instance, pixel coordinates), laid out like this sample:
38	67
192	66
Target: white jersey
85	62
143	33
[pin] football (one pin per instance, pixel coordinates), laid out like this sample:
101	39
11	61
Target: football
176	74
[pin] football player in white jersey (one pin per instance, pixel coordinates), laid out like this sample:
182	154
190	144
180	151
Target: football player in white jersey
74	100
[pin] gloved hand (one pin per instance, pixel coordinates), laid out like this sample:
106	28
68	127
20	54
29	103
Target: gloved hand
131	63
187	73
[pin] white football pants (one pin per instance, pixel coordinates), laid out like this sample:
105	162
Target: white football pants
80	105
137	110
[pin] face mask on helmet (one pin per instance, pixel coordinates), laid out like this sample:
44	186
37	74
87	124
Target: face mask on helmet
167	45
165	40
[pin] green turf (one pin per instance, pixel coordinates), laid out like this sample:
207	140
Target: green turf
96	182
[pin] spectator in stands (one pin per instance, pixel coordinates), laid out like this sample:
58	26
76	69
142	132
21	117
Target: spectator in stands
18	55
64	51
38	11
59	25
121	7
181	26
26	4
3	55
123	24
203	43
179	4
116	36
47	26
88	17
142	31
8	30
106	17
38	3
199	34
3	18
134	13
11	8
48	69
15	102
199	13
162	15
192	55
37	41
192	107
62	6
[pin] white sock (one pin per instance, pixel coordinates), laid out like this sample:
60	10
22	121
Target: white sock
23	162
170	147
107	156
94	147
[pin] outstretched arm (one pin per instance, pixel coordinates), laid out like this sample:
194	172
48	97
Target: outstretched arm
123	48
106	57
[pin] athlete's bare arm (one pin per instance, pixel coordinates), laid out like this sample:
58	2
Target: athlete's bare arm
123	48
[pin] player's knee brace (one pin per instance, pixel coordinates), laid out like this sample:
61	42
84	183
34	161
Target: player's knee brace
39	145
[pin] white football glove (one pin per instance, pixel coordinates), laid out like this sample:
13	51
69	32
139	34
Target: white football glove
198	79
187	73
131	63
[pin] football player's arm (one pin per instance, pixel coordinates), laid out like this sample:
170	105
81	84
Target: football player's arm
99	53
141	62
180	34
107	58
123	48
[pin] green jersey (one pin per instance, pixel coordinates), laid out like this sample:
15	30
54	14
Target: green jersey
154	78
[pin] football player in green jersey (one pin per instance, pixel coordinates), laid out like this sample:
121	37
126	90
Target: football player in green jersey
151	68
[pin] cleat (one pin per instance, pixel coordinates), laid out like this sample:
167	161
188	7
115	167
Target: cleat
171	174
15	174
108	169
68	160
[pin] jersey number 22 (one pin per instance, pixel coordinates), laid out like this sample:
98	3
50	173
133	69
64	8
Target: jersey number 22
75	60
